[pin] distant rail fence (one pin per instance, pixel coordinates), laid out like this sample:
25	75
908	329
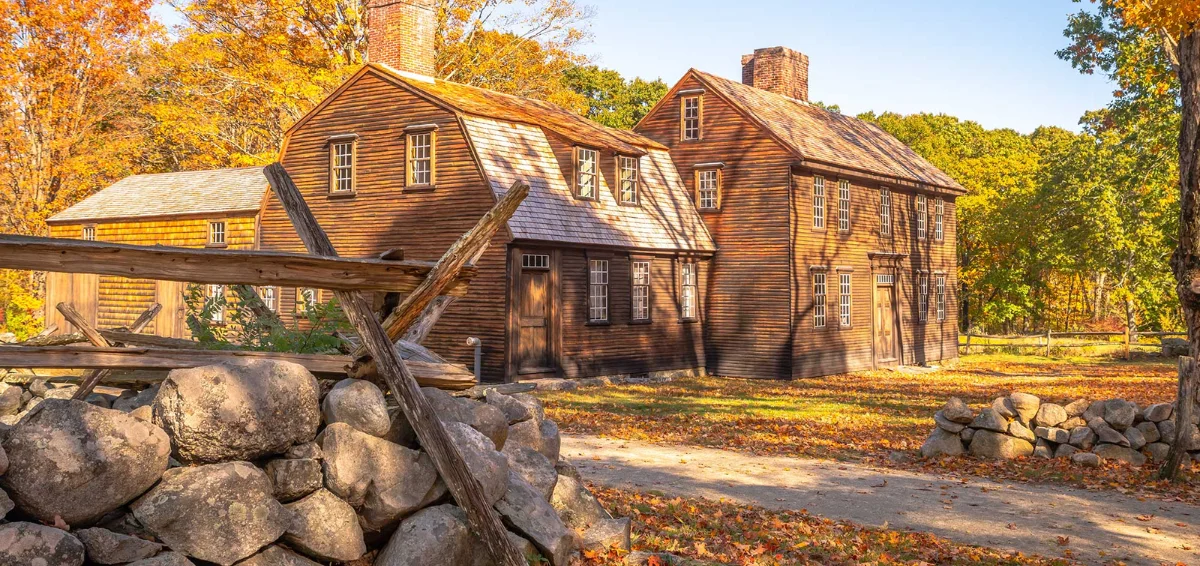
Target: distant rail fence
1050	342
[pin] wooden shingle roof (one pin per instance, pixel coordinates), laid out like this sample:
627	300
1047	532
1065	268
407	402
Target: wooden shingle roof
216	191
814	133
664	219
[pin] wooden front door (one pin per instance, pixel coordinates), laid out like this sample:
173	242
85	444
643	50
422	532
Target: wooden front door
534	352
170	322
885	320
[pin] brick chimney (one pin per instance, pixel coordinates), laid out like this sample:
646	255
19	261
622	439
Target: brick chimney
400	33
777	69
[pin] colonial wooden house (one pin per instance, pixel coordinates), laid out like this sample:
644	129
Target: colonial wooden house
192	209
739	231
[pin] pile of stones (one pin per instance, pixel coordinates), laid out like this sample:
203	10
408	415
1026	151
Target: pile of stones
1087	432
257	463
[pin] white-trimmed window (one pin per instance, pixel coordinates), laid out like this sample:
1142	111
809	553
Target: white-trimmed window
885	212
640	291
270	297
216	233
627	174
598	290
940	280
688	289
845	299
818	204
216	301
818	298
708	188
922	212
587	182
88	233
843	205
939	219
306	299
689	118
922	296
420	158
341	166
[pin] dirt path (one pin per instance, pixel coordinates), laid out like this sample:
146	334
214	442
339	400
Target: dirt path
1101	527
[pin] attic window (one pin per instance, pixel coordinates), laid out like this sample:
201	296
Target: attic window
689	117
708	189
586	181
627	173
216	234
421	157
88	233
342	154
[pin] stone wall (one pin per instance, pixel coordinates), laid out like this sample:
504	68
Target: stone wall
260	464
1087	432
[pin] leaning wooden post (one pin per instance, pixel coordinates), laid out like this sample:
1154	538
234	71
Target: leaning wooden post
1184	403
91	378
432	435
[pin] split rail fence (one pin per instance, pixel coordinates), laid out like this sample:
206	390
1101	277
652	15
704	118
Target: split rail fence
1050	342
428	289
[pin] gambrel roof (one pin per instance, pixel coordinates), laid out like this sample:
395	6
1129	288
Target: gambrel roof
217	191
820	135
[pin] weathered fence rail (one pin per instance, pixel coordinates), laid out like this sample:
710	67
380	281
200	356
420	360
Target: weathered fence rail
1046	341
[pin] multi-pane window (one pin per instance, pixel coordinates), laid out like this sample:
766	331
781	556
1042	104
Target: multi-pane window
818	281
627	169
941	297
216	233
690	119
708	188
818	203
420	158
598	290
844	206
341	156
640	293
922	296
939	219
845	299
688	290
586	180
306	299
535	261
922	212
270	297
216	302
885	212
89	233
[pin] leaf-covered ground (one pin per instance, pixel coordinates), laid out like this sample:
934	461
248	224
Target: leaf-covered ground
727	533
873	416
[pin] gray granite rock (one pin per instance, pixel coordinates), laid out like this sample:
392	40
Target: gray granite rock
358	403
942	443
326	528
294	478
956	411
946	424
525	512
1050	415
1025	405
988	444
23	544
107	547
1117	452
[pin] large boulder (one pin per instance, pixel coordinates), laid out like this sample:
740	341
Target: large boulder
1158	412
1050	415
10	399
611	533
326	528
483	461
1149	431
1053	434
1119	413
483	417
76	461
1157	451
1105	433
956	411
988	444
526	513
576	506
275	555
1166	431
946	424
27	544
990	419
1021	431
359	404
384	480
435	536
1117	452
238	411
219	513
1082	438
942	443
1076	408
534	468
1025	405
1135	437
514	410
1003	407
106	547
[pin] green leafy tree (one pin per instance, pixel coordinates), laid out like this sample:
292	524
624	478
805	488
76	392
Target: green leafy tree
611	99
243	325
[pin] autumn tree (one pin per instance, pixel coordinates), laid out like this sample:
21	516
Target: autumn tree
611	99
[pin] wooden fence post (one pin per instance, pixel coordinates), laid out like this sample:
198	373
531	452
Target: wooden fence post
432	435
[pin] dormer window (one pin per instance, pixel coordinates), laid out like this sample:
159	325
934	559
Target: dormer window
216	234
420	156
689	117
587	183
342	157
627	173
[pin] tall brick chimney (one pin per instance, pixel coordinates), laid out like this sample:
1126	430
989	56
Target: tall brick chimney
400	33
777	69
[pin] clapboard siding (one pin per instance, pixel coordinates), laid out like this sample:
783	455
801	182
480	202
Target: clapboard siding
620	347
747	317
120	300
383	215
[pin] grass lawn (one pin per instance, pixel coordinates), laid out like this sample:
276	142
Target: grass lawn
866	416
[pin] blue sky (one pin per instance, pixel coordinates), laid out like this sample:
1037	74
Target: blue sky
991	61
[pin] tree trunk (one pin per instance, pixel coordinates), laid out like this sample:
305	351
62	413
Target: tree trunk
1185	263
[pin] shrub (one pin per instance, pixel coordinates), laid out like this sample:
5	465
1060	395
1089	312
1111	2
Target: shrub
314	330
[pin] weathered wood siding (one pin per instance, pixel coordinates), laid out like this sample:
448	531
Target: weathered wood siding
748	330
384	215
119	300
621	346
838	349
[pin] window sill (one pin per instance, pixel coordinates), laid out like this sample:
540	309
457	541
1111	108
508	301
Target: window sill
216	246
641	322
586	199
420	188
598	323
708	210
689	320
340	195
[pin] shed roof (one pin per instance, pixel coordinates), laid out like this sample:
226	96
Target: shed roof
215	191
829	137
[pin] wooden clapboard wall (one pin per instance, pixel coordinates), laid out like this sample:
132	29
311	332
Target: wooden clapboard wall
117	300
